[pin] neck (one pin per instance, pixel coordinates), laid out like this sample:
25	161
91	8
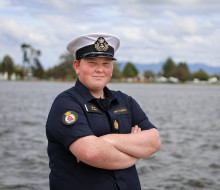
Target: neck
100	94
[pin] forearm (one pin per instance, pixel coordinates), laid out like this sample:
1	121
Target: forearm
141	145
99	153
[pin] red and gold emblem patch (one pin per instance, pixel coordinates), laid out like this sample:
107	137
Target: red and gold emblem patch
69	117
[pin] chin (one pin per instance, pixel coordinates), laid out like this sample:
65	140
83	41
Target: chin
100	84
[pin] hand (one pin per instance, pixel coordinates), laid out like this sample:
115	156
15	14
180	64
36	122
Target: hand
135	129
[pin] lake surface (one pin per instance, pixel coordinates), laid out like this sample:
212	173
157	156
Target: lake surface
187	117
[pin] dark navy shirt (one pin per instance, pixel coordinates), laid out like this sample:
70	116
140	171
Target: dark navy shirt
118	113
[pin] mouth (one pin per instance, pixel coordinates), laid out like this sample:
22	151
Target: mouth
98	77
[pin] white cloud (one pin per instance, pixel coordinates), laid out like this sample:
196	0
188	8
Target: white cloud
4	3
185	23
159	38
150	31
64	6
185	2
12	29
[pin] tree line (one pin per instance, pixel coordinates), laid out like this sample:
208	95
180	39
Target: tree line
32	67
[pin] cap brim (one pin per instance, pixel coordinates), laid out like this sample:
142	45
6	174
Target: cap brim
98	55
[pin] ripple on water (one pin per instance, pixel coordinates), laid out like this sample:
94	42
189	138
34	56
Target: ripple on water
187	117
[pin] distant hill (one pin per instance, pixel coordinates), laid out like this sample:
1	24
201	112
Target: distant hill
157	67
208	69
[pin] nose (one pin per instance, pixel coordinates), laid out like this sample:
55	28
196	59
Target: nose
99	69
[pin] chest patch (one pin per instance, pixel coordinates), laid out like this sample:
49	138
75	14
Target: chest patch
121	110
69	118
92	108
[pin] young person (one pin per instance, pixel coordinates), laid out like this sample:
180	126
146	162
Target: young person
96	135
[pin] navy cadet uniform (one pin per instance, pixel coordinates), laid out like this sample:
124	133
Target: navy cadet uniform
76	113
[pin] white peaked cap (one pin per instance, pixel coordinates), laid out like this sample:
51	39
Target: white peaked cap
86	45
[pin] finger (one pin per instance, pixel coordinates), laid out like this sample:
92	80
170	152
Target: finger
136	128
132	130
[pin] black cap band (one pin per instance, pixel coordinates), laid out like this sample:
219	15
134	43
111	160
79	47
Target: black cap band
91	52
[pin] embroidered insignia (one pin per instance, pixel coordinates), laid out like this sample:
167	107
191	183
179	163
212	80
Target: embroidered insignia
115	125
121	110
101	44
69	117
92	108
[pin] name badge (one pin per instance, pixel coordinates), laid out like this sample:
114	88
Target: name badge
121	110
92	108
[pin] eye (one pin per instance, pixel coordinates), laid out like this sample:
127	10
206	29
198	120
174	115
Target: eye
108	63
92	63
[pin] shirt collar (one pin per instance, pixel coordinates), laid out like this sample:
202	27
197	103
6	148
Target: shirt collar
85	93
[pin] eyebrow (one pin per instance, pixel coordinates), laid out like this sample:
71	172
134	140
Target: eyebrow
91	61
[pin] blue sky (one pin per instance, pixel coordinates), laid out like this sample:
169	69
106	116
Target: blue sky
150	30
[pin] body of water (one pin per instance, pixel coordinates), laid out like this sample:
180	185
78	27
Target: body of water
187	117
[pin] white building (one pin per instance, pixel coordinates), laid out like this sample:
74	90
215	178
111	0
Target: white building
213	80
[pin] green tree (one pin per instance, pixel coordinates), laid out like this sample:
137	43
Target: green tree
130	70
26	59
182	72
19	72
37	69
149	74
0	67
8	66
116	71
201	75
169	68
63	71
31	60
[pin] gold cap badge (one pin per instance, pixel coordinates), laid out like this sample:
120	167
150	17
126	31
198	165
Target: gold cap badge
101	44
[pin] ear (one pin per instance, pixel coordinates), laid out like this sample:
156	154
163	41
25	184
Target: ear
76	65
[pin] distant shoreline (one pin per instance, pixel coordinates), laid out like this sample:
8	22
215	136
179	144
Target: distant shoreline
120	82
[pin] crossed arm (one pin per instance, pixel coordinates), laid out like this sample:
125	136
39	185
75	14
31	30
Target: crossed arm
116	151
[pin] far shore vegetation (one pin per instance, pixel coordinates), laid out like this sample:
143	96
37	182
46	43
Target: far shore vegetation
32	69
